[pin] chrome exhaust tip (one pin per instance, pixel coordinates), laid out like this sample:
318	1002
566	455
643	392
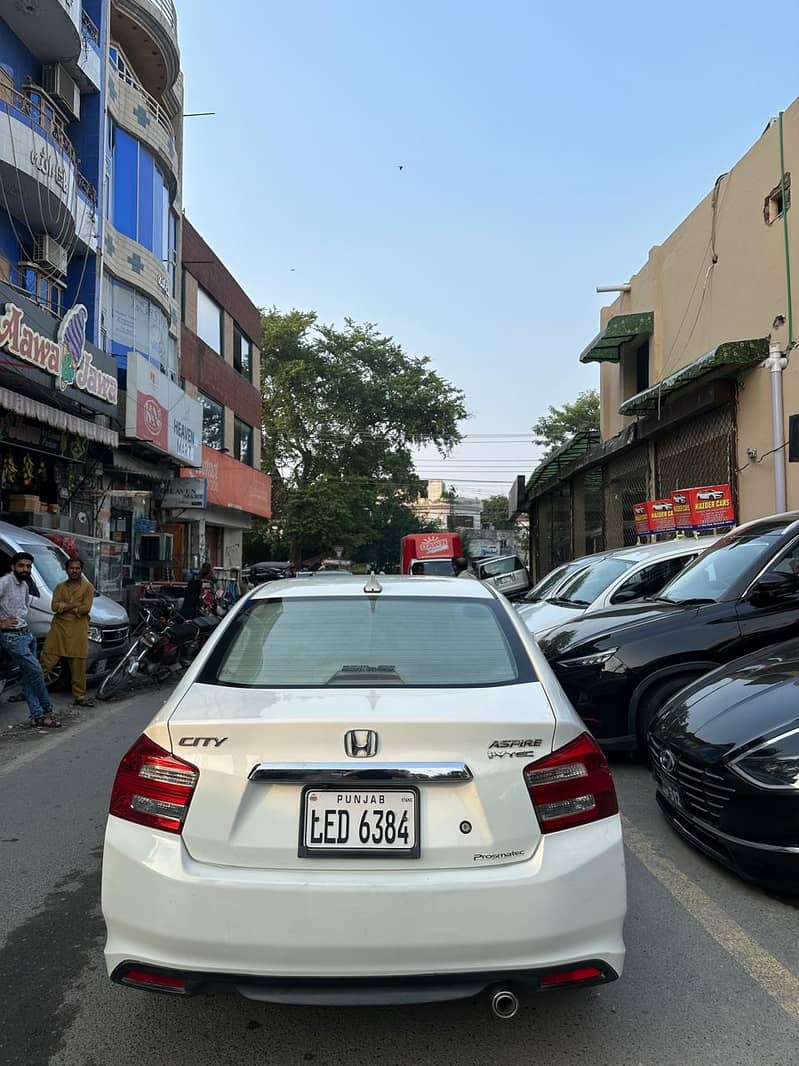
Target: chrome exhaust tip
504	1003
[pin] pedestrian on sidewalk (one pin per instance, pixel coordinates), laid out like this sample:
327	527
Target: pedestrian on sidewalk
69	632
19	643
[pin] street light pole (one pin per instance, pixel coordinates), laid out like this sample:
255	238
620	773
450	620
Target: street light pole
776	363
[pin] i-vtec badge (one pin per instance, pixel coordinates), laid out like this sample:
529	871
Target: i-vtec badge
514	749
201	742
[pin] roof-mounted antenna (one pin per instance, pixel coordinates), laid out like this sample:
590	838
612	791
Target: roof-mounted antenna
372	586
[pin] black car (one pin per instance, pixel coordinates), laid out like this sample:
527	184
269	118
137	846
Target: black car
725	756
620	666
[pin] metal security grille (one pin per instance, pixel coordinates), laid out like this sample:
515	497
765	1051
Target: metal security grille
626	485
594	505
700	452
552	529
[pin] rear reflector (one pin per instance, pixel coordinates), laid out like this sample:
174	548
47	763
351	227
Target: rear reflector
153	787
571	977
156	981
572	786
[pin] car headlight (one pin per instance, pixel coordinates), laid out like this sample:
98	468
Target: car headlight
597	659
774	764
96	634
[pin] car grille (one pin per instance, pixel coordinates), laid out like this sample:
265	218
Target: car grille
114	636
705	792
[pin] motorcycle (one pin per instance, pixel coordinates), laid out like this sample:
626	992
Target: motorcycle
163	643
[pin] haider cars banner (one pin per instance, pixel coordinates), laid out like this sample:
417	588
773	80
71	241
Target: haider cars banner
159	412
705	507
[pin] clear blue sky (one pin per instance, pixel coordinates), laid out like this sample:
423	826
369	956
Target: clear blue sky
545	149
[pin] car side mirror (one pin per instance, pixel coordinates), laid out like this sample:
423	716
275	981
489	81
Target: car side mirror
774	586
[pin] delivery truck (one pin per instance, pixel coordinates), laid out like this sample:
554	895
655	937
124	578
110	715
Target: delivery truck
435	550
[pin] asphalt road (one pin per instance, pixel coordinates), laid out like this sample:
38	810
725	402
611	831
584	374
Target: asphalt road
712	969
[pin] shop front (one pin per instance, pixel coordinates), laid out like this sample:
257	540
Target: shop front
225	495
58	400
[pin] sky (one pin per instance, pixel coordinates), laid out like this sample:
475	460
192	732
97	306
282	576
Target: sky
544	149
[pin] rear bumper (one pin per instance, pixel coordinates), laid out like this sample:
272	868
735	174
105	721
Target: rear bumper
564	905
353	991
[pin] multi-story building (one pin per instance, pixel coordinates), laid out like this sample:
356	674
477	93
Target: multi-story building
91	112
687	394
446	509
220	360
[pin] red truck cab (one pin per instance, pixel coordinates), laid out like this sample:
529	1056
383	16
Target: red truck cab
435	550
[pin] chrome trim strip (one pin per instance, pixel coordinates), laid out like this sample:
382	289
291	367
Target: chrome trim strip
306	773
682	817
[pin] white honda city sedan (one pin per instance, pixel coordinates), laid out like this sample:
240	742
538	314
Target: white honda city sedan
369	791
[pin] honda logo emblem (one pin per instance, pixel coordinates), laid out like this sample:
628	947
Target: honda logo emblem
360	743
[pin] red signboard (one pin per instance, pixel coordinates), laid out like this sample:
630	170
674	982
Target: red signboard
654	516
152	420
711	506
641	516
682	510
234	484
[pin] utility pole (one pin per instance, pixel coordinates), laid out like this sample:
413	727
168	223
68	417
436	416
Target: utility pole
776	363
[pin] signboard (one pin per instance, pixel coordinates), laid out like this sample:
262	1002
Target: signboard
234	484
158	411
64	361
434	544
186	493
654	516
682	509
711	506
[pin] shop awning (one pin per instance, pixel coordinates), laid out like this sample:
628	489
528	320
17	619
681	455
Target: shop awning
606	346
731	356
51	416
568	453
132	465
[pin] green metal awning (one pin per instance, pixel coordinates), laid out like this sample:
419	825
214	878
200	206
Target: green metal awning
567	454
732	356
606	346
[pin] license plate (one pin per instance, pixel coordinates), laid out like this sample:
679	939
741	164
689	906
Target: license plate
672	793
360	822
505	580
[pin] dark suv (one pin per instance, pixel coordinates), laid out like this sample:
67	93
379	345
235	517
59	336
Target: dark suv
619	666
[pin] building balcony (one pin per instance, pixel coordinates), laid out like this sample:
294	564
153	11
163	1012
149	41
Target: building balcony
89	72
138	112
45	194
49	29
132	263
147	31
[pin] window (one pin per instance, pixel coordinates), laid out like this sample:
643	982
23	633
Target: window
649	580
213	422
140	198
209	321
6	87
642	367
136	323
242	442
41	289
773	205
591	582
497	567
242	353
351	642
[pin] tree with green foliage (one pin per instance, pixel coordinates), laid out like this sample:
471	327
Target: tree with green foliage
342	411
555	428
495	513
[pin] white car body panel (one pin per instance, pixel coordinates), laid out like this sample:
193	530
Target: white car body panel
231	895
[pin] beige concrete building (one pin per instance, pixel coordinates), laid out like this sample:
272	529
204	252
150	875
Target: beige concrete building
446	509
685	394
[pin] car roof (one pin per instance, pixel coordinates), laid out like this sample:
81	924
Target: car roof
666	548
392	585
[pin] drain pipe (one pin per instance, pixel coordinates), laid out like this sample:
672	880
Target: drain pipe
776	363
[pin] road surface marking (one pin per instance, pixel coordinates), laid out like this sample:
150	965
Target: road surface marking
772	976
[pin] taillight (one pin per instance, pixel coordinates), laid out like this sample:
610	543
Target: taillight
158	982
572	786
579	976
153	787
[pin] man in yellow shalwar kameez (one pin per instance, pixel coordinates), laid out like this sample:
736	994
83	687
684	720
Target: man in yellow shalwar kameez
69	633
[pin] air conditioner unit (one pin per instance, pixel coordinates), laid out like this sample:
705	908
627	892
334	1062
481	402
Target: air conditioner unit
48	252
59	84
155	547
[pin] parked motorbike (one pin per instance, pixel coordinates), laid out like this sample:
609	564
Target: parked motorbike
162	644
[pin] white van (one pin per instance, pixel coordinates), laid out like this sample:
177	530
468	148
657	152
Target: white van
506	573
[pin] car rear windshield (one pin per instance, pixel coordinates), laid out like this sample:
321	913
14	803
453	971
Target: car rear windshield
497	567
314	642
436	567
